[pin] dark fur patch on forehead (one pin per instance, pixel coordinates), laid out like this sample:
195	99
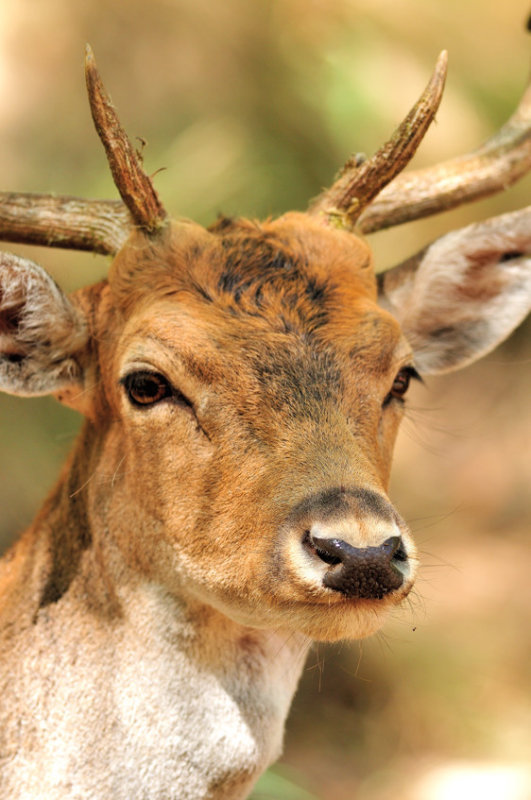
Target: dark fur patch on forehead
261	273
299	381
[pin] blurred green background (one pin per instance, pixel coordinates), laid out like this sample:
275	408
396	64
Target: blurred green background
250	108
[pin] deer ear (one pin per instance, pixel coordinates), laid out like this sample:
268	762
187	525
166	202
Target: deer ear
465	293
41	333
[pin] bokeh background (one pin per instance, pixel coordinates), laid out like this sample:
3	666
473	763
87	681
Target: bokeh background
250	106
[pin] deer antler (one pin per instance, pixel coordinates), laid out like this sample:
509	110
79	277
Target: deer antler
136	189
359	183
500	162
100	226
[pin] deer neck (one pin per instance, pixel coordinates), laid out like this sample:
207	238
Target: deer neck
147	653
90	555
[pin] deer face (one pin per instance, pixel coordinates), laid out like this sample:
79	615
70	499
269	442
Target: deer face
244	385
251	380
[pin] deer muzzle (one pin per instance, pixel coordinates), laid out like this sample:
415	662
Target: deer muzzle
352	541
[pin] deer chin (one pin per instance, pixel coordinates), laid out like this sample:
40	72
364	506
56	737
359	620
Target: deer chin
350	620
337	617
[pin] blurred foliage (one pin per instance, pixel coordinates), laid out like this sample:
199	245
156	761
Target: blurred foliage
250	108
280	783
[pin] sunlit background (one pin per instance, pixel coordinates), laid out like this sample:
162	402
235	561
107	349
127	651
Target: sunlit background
249	107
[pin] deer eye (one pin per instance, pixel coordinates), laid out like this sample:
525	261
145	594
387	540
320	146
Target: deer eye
401	383
146	388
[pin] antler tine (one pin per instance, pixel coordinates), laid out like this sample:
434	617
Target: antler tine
500	162
135	187
357	183
99	226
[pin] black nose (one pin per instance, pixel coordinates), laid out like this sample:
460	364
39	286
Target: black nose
365	572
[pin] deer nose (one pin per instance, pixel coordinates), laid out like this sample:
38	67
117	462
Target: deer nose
364	572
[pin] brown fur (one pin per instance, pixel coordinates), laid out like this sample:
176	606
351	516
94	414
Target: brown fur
165	586
284	299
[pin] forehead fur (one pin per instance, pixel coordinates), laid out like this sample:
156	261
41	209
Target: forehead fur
291	270
294	304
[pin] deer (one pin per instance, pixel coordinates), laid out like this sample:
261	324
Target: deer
226	502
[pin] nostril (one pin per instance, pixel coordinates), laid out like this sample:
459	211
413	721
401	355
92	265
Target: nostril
328	550
394	549
400	553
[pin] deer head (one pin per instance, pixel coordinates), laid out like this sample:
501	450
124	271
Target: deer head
243	384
